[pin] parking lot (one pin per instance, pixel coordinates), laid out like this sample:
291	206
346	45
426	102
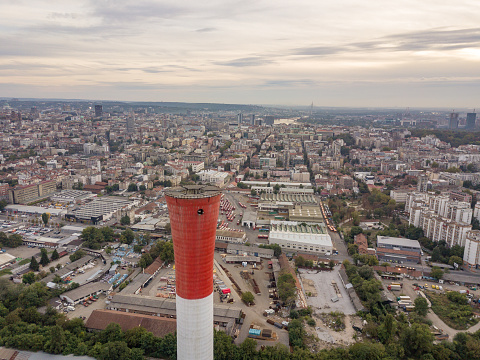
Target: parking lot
83	311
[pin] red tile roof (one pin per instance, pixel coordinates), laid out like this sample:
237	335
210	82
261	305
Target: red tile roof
159	326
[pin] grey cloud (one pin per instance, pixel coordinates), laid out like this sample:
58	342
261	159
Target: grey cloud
434	39
112	11
206	29
319	50
57	15
246	61
288	83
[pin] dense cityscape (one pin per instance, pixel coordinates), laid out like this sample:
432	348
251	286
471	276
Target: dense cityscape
339	233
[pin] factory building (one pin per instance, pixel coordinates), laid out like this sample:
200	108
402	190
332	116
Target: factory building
398	250
101	209
294	237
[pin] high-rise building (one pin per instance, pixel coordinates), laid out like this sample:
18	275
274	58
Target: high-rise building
131	122
471	120
269	120
240	118
252	119
98	110
453	123
193	211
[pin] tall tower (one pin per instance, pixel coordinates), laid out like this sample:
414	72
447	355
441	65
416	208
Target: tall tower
193	215
471	120
98	110
131	122
453	123
240	118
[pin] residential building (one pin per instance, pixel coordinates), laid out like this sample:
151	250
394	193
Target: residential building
471	255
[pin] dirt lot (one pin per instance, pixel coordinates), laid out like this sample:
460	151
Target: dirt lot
324	282
327	338
23	251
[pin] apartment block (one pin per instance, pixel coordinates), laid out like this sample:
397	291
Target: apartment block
471	256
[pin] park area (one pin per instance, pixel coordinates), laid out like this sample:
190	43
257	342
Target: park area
454	310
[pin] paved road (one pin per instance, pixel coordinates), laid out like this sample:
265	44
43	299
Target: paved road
447	329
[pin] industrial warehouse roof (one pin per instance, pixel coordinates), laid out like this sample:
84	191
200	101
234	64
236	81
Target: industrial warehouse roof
313	212
158	326
296	227
294	198
6	258
292	231
154	305
193	192
35	209
249	216
230	233
100	206
71	195
394	241
87	289
239	258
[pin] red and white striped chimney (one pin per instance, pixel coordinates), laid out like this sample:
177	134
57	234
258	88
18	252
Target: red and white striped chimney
193	213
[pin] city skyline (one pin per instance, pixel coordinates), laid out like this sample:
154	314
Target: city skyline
344	54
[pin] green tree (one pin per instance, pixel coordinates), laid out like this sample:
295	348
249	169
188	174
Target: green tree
167	253
436	273
296	333
3	204
55	255
299	261
286	287
367	351
34	264
108	234
57	340
417	340
45	218
28	278
13	241
77	255
247	297
125	220
421	306
128	236
44	260
331	264
455	260
387	328
132	187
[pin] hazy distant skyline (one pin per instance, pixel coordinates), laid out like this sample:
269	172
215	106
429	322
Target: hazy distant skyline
344	53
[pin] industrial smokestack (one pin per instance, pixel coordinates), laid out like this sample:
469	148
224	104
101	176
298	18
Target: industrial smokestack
193	213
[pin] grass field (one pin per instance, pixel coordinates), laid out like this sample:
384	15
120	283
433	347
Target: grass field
453	310
24	261
5	272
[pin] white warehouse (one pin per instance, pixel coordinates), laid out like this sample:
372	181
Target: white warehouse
294	237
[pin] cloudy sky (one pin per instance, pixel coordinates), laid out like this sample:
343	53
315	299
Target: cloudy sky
334	53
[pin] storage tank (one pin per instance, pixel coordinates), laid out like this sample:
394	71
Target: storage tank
193	211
